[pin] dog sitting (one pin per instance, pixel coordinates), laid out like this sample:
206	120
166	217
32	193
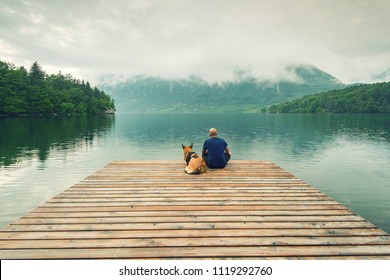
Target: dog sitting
195	163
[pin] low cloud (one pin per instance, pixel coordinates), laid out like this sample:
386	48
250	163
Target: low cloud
210	39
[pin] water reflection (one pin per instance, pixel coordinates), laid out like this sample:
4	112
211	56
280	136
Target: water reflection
26	138
252	135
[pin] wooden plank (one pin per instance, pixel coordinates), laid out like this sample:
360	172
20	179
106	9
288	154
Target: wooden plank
208	252
190	200
79	192
191	242
114	234
189	225
172	203
194	194
186	219
37	214
204	186
73	208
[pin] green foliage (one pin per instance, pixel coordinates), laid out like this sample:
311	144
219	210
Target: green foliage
36	75
374	98
34	91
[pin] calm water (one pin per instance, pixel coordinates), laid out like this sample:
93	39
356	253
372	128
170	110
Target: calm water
345	156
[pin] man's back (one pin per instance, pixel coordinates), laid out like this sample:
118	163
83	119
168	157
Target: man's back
215	152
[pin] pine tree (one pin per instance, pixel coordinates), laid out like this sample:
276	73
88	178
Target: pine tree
36	74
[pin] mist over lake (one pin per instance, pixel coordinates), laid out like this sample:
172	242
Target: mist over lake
346	156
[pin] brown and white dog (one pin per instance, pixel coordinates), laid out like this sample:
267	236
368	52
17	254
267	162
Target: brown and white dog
195	163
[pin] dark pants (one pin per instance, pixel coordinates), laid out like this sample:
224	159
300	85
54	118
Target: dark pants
227	158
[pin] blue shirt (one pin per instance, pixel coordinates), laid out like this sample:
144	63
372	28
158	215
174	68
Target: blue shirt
216	152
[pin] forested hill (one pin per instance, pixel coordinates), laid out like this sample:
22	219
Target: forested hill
372	98
35	92
243	94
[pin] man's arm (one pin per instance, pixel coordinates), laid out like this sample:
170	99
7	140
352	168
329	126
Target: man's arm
204	150
228	150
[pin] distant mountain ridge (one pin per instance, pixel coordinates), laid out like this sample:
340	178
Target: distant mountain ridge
382	77
245	94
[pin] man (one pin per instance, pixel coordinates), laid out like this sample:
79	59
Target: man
215	151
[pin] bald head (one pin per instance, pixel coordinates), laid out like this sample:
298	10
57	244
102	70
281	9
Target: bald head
213	132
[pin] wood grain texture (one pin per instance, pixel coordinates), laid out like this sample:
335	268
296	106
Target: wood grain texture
153	210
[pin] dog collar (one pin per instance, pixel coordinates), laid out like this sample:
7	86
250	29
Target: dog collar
189	156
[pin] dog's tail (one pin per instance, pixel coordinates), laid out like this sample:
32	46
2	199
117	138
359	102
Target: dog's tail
190	171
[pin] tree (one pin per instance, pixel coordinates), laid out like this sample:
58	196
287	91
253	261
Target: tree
36	74
35	92
374	98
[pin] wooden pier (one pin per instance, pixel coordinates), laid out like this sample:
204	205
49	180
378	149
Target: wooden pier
153	210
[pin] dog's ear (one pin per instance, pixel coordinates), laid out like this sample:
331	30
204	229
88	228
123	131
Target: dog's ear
191	145
183	146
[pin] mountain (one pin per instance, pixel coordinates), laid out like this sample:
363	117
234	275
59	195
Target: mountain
243	94
382	77
371	98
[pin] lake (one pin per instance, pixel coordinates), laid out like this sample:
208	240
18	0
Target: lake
345	156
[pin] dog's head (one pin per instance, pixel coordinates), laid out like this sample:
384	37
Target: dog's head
187	149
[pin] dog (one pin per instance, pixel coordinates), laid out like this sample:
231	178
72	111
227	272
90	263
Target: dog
195	163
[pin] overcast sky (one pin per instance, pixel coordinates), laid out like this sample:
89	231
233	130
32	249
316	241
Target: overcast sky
349	39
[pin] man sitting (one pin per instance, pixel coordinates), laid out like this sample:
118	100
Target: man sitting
215	151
